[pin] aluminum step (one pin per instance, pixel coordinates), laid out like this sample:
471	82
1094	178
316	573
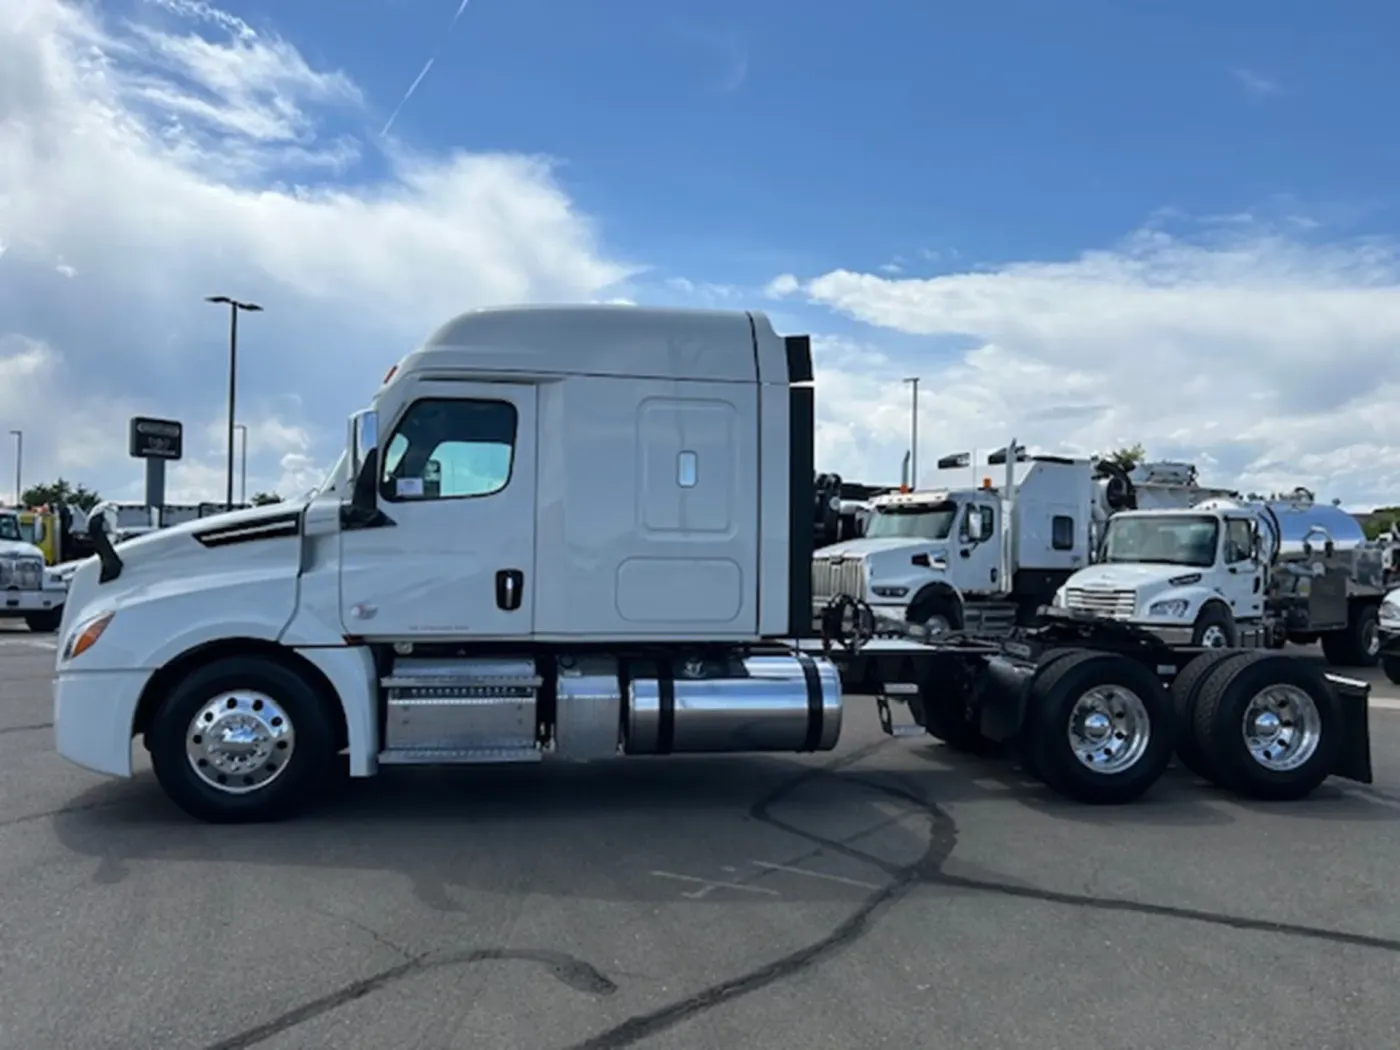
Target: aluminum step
462	756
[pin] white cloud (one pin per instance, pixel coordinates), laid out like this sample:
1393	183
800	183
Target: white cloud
1268	361
1256	84
145	164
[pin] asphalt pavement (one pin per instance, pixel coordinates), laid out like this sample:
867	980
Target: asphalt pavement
888	894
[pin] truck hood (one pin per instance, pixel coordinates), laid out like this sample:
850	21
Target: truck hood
1127	576
19	549
173	559
864	547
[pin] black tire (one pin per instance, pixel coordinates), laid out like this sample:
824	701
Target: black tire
1030	723
1214	615
1185	692
1359	644
1219	727
1055	697
1391	666
287	790
954	727
921	610
45	622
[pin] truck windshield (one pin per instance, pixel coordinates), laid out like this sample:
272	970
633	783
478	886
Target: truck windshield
928	521
1174	540
9	528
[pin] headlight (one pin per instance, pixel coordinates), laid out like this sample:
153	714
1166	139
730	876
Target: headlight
85	635
1059	600
1172	607
1390	610
890	592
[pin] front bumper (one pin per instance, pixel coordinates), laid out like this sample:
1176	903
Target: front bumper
93	712
14	602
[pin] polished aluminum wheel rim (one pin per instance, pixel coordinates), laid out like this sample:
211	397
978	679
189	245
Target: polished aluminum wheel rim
1213	637
239	742
1282	728
1109	729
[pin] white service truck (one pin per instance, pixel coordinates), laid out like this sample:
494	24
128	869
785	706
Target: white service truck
984	560
1247	573
29	590
579	533
1388	622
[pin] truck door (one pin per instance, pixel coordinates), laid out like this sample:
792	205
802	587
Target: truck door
457	485
979	552
1243	580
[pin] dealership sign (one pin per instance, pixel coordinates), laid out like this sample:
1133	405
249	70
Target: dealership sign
157	438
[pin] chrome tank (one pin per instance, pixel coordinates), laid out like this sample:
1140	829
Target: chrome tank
1296	531
785	703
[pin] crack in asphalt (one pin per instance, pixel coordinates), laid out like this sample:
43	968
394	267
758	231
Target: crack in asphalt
25	729
575	973
927	870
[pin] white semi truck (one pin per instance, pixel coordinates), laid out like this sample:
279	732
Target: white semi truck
984	560
579	533
1241	573
29	590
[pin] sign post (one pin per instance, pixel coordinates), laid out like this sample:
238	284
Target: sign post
156	441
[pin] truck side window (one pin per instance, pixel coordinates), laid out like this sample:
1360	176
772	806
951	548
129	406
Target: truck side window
1239	538
450	449
1062	532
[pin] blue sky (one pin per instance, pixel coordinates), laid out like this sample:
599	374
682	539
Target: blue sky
730	140
1087	223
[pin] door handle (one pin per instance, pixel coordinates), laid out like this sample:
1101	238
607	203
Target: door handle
510	589
965	553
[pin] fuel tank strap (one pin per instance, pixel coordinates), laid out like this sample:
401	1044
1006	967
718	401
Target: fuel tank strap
815	717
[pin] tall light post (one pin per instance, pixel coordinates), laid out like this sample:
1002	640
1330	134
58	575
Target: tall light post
19	465
243	467
234	306
913	381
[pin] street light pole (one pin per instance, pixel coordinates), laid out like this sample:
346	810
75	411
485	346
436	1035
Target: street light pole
19	465
914	434
234	306
243	467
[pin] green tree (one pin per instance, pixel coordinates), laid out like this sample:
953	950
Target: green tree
1128	457
60	491
1379	520
262	499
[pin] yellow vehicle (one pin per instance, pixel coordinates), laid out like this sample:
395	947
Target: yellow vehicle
41	529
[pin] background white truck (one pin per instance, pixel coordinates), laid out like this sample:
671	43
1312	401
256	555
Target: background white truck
983	560
1389	624
29	590
1249	573
579	533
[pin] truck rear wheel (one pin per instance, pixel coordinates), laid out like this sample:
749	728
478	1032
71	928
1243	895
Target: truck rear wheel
1101	728
242	739
1268	728
1186	692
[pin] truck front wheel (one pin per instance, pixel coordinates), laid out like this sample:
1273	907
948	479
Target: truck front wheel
1215	628
45	622
242	739
1391	666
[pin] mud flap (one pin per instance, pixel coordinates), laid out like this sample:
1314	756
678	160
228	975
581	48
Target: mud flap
1354	704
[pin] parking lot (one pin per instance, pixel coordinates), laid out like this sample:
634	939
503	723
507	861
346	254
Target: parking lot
886	894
